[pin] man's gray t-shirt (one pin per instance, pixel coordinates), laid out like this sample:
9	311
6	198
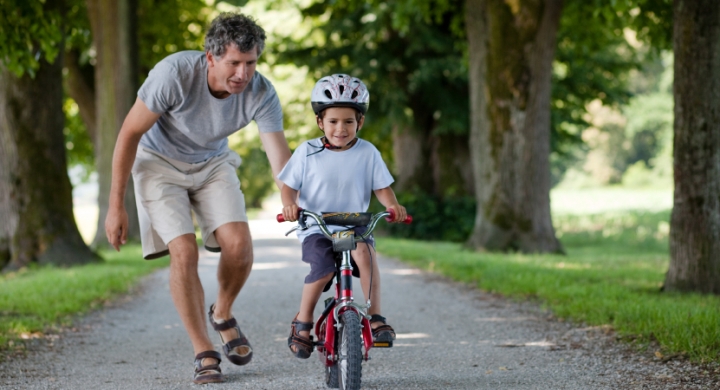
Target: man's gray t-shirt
194	124
331	181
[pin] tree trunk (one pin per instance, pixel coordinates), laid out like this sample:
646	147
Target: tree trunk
695	221
112	23
434	164
35	191
81	88
511	46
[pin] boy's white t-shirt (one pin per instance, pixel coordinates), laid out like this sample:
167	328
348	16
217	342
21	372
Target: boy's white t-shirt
331	181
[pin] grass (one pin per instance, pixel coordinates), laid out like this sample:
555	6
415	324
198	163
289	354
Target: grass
612	274
34	301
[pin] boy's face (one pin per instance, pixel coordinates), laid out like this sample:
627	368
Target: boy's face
340	125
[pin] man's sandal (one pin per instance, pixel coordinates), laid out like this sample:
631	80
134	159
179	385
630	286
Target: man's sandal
303	345
229	348
209	373
384	334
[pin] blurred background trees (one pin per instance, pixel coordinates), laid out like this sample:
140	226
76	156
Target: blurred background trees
604	118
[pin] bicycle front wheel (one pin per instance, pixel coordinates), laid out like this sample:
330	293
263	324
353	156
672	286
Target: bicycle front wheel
349	363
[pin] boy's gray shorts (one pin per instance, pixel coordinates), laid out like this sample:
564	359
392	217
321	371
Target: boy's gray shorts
166	190
317	250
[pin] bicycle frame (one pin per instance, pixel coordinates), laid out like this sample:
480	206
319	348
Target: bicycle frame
342	302
328	324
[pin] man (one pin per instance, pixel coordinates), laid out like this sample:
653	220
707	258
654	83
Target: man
174	140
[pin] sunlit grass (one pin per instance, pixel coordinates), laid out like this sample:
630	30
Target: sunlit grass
34	301
612	274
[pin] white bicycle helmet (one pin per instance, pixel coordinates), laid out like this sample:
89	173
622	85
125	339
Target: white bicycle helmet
340	90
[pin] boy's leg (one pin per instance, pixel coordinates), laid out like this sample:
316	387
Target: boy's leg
362	256
310	295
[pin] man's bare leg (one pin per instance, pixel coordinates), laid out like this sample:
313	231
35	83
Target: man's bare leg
236	261
187	291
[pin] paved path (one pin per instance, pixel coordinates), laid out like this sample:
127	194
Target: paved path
449	337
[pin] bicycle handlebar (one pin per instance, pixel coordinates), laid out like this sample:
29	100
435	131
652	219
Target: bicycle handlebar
388	214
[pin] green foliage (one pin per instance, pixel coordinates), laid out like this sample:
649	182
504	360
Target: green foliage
593	60
413	57
612	274
77	140
167	26
164	27
40	299
632	144
448	219
415	71
30	30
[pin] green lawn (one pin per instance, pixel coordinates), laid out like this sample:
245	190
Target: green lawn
612	274
36	300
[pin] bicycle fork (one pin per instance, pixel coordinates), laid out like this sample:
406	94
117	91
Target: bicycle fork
344	301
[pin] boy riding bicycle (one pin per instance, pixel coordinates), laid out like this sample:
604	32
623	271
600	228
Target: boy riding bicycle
336	172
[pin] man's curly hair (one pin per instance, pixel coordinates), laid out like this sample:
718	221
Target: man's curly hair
234	28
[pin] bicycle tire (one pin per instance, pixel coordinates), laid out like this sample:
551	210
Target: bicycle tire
349	363
331	376
331	372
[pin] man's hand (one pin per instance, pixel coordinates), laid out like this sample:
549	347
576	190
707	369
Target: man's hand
116	226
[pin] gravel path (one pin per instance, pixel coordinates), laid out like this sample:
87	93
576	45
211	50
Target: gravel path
449	337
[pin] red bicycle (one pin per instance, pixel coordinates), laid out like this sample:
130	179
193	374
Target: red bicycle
343	332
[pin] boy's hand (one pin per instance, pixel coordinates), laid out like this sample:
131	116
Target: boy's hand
290	212
400	213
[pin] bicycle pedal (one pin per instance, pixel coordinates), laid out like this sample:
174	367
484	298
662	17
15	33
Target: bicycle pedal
382	344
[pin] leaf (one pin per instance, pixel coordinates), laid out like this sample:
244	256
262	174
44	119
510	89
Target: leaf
237	3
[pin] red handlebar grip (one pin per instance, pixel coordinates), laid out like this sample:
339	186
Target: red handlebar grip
391	217
280	217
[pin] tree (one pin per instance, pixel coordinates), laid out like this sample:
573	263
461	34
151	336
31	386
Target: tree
113	27
35	191
695	220
512	49
128	38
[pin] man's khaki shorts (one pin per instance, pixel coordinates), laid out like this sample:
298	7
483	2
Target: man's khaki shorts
167	190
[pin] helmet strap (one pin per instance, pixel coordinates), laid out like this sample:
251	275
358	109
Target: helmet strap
328	145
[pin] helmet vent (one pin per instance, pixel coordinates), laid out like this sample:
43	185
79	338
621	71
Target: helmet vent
354	94
327	93
342	89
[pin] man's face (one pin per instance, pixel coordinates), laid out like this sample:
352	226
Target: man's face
232	72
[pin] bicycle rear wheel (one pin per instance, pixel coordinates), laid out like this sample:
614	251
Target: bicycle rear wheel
348	370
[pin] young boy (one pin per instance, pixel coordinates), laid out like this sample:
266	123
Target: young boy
336	172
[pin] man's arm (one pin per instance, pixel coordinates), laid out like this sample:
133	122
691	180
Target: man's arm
278	152
138	121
